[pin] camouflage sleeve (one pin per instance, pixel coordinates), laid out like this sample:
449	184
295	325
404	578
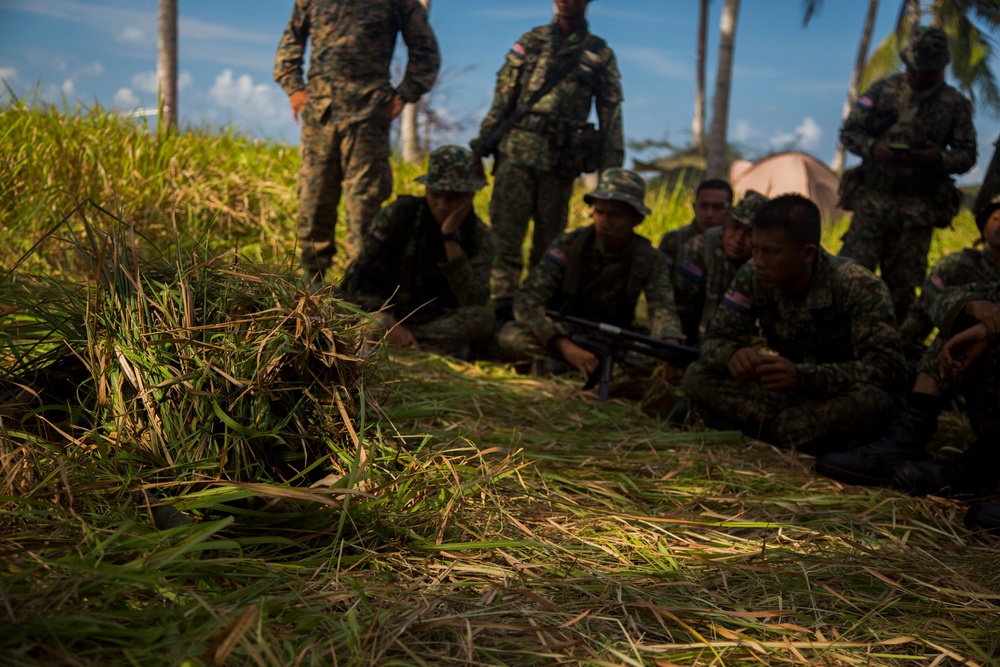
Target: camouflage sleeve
659	291
878	354
609	115
288	61
734	324
423	59
949	308
541	285
690	274
469	277
504	96
919	322
861	128
363	279
960	154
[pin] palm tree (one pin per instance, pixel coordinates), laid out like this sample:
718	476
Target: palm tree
698	123
716	158
408	139
166	64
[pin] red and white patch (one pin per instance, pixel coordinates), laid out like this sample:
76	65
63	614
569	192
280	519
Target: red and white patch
937	283
865	102
517	50
738	301
556	256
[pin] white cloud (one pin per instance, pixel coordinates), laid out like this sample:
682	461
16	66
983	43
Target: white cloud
8	73
743	132
657	61
806	136
68	88
93	69
132	35
125	98
148	83
184	79
242	97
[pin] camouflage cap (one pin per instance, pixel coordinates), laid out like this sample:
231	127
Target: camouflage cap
984	214
927	50
617	184
747	208
450	169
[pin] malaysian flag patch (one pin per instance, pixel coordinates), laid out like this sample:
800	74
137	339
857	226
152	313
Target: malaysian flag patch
738	301
692	271
557	257
937	284
865	102
379	235
517	50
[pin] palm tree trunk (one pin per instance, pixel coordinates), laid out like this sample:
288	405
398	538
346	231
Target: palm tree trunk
716	159
166	64
408	130
698	124
852	89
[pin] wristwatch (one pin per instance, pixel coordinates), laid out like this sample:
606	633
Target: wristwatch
452	236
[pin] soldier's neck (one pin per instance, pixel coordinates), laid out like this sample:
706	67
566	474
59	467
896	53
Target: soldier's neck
568	26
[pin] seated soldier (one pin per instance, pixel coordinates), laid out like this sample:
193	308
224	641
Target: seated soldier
971	265
428	258
712	199
709	262
964	358
833	361
595	273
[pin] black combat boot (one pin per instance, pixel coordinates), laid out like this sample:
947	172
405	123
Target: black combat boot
872	464
975	472
984	515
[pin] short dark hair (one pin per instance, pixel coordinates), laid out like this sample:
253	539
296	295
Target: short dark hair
714	184
798	217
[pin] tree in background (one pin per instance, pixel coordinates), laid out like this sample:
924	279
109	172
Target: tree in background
698	122
166	64
716	158
409	135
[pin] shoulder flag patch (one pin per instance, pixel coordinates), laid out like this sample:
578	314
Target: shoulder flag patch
691	270
517	50
557	257
738	301
379	235
937	283
865	102
669	259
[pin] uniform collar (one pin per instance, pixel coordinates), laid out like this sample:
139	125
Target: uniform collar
575	38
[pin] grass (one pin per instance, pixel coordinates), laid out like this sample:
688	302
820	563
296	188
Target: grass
412	511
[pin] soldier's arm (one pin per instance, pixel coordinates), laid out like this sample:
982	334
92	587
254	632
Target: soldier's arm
878	354
504	95
288	61
690	274
733	326
368	279
469	277
960	154
858	133
950	272
659	291
609	114
541	285
954	309
423	59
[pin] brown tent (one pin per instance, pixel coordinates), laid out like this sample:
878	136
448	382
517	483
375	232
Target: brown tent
787	173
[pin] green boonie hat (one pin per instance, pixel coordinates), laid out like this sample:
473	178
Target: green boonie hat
745	211
617	184
927	50
450	169
984	215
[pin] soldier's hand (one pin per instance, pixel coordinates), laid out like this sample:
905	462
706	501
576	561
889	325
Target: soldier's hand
743	364
919	157
457	216
987	313
395	107
882	153
963	349
777	374
577	357
400	336
298	101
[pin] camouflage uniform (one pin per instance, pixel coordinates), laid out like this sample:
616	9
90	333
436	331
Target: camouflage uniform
537	161
896	207
579	277
991	182
704	273
345	123
442	302
843	340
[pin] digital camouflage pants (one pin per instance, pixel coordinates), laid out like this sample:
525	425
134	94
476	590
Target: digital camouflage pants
787	419
521	194
340	158
469	324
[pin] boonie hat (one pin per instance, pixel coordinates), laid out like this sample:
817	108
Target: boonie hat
984	215
450	169
744	212
617	184
927	50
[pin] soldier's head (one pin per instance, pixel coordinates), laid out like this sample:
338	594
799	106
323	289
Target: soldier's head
712	199
617	206
450	181
571	10
988	221
736	235
784	241
925	57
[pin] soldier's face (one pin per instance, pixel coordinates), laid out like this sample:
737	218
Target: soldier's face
920	80
443	202
710	208
571	9
780	263
736	241
991	231
613	222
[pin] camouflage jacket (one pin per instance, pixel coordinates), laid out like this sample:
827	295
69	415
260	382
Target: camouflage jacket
351	47
991	181
949	308
890	110
579	278
403	262
967	269
672	242
535	56
703	276
845	332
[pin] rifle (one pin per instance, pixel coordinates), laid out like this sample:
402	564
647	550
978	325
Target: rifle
611	343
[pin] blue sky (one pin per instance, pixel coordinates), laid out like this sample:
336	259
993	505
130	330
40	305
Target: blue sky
788	87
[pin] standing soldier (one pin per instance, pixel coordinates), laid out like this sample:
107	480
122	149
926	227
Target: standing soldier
911	130
346	108
543	153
